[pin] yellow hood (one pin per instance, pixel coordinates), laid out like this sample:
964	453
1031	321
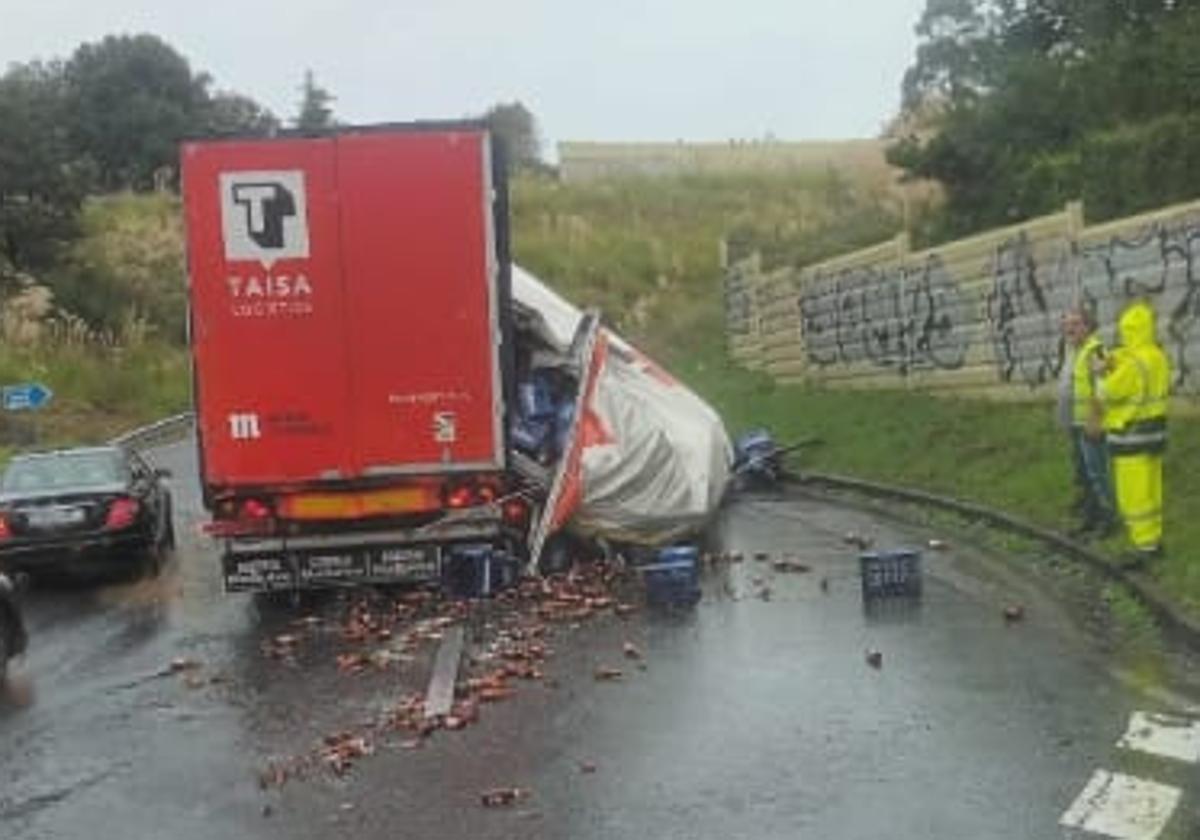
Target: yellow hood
1136	327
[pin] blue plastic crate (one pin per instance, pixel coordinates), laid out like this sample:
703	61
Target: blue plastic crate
563	420
889	574
531	436
753	444
674	579
477	571
535	397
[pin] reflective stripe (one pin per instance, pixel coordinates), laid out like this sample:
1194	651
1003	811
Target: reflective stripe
1141	437
1122	439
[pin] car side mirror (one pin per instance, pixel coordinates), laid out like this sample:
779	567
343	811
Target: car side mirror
163	472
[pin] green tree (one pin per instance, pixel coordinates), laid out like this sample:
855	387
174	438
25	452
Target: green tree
316	112
516	127
131	99
957	51
1034	97
228	113
42	179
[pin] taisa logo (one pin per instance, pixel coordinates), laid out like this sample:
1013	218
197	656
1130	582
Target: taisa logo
264	216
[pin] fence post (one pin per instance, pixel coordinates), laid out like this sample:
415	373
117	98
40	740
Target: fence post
1075	220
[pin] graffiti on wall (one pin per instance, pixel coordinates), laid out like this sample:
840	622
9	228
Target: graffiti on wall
900	317
995	311
1158	263
1023	318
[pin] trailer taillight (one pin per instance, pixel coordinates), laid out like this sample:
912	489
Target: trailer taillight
515	511
5	529
470	492
460	497
256	510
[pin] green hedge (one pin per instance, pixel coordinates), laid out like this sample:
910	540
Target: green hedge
1119	172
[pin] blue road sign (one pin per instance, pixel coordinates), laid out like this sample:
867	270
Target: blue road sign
28	396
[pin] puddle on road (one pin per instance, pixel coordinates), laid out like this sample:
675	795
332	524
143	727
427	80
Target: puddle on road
149	591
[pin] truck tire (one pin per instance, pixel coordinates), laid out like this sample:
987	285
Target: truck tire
558	555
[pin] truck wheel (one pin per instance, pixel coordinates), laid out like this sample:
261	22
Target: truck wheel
558	555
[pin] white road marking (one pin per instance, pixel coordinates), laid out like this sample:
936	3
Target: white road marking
1163	735
1122	807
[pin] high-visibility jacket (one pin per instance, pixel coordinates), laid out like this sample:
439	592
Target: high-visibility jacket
1083	380
1136	388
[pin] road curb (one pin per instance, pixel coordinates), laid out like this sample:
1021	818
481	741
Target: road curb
1173	619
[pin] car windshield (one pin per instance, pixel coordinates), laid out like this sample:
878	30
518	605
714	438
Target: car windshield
63	471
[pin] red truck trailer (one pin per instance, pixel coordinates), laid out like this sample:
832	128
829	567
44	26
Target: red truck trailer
349	300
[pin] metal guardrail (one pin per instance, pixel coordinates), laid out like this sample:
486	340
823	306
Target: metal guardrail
161	431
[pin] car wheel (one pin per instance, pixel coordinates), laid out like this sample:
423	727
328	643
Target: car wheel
153	557
168	538
169	533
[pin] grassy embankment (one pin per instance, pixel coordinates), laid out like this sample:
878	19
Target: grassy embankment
119	361
117	368
1008	455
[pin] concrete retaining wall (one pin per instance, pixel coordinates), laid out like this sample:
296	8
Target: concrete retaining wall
979	315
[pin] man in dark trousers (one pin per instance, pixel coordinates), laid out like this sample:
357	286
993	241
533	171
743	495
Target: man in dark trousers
1079	415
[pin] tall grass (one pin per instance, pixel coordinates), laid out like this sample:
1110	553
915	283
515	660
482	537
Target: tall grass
99	390
645	250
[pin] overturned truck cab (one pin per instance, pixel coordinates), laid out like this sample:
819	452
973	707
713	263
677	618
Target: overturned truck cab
645	462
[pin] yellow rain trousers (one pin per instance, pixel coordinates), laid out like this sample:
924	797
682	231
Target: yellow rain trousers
1139	498
1134	393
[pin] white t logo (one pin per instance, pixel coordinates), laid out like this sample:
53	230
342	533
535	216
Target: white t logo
255	198
264	215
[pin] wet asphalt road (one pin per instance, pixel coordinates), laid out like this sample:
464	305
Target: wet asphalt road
753	718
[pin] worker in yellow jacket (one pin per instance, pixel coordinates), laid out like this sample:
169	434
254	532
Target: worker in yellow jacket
1077	414
1133	392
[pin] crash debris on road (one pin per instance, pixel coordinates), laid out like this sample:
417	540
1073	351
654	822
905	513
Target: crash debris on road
515	650
503	797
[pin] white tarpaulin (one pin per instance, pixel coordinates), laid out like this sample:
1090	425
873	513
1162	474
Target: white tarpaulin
647	460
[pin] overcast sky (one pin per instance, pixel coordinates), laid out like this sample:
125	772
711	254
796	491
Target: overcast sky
595	70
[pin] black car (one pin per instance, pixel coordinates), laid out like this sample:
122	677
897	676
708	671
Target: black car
99	510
